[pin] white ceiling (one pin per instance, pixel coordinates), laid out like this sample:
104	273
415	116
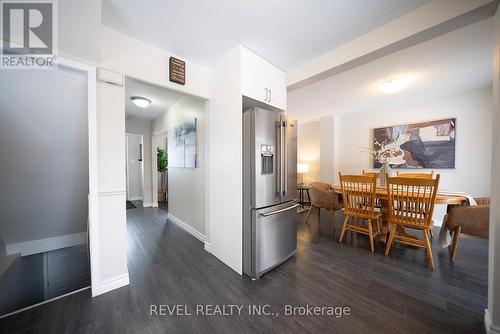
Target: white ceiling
458	61
285	32
161	98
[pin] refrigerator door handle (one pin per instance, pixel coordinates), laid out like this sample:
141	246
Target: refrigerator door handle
285	160
279	211
278	157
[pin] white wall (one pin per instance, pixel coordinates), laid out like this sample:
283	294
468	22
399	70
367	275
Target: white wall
80	29
225	162
186	186
473	143
492	315
308	149
146	62
111	248
327	148
142	127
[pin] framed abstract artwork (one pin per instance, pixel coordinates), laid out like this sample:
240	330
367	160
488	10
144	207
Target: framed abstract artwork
182	145
419	145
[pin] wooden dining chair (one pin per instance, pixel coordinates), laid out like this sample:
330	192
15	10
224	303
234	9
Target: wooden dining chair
359	196
430	175
411	204
378	203
368	173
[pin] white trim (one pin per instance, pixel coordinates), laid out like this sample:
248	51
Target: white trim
127	180
46	245
147	205
155	205
113	283
137	198
44	302
208	247
488	325
93	230
186	228
112	193
206	162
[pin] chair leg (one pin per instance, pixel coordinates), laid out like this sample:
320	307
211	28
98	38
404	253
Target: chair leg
308	213
454	243
428	248
344	227
370	231
391	239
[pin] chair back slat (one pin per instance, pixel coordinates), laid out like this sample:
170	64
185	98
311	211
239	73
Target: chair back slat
411	200
359	194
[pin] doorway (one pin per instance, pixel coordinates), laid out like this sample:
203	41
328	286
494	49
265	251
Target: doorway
49	177
134	169
172	127
160	141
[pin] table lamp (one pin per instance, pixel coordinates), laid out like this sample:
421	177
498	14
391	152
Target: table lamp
301	170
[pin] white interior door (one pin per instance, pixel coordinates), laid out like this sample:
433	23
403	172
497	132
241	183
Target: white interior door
134	167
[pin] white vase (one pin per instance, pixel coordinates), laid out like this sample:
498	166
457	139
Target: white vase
385	171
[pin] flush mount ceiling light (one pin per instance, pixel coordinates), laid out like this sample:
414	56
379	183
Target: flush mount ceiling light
140	101
394	85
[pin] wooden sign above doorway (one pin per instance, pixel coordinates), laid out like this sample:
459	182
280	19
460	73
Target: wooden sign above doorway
177	71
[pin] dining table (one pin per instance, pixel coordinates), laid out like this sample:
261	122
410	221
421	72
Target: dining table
442	198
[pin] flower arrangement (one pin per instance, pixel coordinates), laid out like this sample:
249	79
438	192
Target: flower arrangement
382	153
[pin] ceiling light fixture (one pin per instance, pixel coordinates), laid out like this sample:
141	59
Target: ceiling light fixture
140	101
394	85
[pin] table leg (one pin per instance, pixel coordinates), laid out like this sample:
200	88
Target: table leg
385	228
383	221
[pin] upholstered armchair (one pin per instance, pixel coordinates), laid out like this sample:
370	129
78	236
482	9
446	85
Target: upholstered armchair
472	220
323	197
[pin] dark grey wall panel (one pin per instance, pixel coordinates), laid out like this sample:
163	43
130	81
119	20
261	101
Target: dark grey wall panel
43	154
22	284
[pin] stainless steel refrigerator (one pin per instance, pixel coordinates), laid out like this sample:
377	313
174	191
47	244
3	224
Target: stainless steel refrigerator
269	190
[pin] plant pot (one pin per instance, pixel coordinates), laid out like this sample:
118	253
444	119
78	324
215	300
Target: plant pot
161	196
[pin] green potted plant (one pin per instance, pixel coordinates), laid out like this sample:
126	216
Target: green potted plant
162	167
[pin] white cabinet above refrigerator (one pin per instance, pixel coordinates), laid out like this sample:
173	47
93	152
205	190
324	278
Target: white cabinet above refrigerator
262	81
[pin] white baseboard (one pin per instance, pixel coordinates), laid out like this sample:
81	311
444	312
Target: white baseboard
208	247
155	205
488	325
147	204
112	284
136	198
45	245
187	228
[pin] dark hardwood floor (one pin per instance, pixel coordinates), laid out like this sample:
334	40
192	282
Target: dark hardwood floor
394	294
